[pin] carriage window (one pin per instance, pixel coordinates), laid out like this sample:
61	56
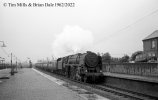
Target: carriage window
149	54
153	44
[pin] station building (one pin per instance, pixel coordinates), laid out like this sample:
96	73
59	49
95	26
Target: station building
150	45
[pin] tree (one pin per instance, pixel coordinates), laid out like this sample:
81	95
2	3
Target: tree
125	58
133	56
106	57
115	60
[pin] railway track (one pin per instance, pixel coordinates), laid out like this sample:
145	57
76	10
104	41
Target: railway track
126	94
106	91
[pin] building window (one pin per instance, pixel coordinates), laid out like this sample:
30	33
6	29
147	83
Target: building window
153	54
153	44
149	54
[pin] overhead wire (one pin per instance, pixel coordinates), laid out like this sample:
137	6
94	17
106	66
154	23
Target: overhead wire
128	26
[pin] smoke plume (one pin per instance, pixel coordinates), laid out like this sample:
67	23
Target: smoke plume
72	40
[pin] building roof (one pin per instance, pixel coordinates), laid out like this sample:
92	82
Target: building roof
153	35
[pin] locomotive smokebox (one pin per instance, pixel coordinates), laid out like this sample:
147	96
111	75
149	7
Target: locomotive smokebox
91	59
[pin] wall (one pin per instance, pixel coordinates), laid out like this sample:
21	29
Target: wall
147	45
143	69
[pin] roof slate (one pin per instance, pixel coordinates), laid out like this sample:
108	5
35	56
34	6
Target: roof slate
153	35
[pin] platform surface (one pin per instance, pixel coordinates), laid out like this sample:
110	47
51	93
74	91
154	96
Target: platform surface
29	85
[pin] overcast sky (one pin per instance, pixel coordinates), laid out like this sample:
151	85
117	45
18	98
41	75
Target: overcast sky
114	26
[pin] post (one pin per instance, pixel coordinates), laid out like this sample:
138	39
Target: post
16	65
12	68
47	62
3	64
30	63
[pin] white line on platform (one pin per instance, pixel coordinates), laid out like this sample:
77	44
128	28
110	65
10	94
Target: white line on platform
53	79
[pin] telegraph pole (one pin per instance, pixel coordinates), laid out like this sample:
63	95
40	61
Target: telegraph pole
12	67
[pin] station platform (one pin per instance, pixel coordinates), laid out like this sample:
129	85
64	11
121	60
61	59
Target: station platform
31	84
133	77
139	84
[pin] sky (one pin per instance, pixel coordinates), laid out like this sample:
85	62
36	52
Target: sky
39	33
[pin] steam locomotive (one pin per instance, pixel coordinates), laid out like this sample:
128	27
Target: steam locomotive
86	67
